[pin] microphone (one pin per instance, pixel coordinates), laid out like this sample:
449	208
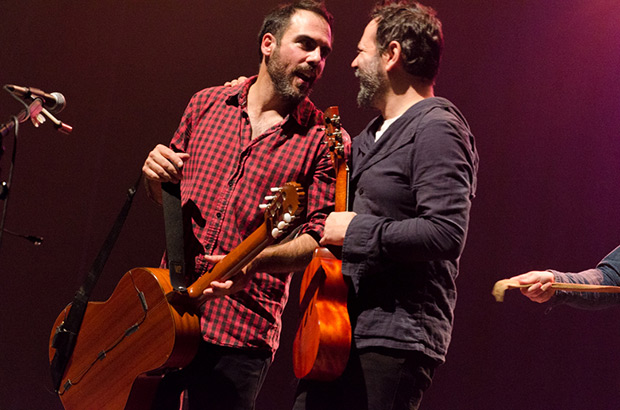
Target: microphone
54	102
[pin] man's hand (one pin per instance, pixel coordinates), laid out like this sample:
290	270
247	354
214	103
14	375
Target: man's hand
541	281
234	284
235	82
336	226
164	165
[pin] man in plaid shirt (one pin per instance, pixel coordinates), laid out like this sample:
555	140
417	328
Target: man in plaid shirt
232	145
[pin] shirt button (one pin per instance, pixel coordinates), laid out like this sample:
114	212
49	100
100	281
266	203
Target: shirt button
218	215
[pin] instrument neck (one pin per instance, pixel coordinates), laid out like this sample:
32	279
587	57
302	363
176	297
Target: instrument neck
342	187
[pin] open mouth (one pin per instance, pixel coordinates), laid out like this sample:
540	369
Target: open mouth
306	77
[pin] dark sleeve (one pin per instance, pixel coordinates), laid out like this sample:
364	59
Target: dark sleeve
606	273
443	174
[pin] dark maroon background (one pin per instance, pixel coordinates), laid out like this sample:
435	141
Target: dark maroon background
539	82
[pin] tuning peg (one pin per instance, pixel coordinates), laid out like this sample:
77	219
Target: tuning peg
270	197
275	232
262	207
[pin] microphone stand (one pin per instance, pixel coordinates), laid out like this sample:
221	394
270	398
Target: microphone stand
31	111
37	114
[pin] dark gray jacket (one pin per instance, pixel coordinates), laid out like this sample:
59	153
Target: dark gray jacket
412	191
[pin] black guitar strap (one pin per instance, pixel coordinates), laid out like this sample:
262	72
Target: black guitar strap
173	220
66	334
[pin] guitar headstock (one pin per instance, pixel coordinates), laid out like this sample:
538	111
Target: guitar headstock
283	208
333	135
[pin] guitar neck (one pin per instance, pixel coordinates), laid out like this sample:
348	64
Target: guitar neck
342	187
234	261
284	208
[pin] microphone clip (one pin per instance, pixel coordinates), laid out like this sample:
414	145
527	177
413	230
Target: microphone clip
59	125
36	112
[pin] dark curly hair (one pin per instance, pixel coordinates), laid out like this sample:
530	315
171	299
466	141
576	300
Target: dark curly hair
417	29
277	21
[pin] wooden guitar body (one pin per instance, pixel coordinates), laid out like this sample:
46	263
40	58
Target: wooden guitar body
124	341
323	341
145	327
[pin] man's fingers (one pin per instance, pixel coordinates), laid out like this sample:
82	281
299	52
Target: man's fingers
164	165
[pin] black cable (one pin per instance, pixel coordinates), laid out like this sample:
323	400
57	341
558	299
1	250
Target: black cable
36	240
10	179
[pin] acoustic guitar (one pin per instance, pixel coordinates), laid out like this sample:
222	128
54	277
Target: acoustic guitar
323	340
145	327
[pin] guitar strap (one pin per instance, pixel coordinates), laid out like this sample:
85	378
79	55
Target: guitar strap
173	220
66	334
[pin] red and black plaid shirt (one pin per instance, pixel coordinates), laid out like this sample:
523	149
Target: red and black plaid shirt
225	179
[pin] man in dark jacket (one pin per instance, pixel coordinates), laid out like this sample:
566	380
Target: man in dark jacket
413	177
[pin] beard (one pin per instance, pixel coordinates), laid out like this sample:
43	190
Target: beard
373	83
283	81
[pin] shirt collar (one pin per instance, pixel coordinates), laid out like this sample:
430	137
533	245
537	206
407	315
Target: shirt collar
238	95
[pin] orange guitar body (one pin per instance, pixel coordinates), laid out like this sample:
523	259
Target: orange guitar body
145	327
137	341
322	343
323	340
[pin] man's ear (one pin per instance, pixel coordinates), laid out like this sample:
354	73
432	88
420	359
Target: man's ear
392	55
268	44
